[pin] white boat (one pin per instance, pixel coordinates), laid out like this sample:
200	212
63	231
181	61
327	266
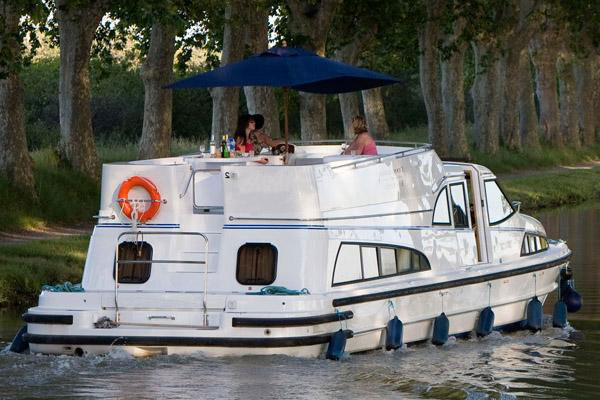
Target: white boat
347	243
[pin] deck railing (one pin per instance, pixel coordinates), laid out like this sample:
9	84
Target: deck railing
139	234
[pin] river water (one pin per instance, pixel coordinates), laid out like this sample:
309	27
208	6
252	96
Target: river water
552	364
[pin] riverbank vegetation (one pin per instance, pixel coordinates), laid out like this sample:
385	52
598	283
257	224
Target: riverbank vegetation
26	266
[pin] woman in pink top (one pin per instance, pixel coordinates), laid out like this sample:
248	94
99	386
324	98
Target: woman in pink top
363	143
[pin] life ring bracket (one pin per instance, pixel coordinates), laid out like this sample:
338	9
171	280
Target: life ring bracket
129	207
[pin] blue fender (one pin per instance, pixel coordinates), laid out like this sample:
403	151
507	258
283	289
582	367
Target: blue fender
393	334
441	327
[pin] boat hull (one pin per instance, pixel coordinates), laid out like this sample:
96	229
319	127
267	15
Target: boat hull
364	322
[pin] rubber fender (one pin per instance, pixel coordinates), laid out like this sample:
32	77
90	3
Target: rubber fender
441	327
559	316
337	345
393	334
19	345
572	299
535	315
485	324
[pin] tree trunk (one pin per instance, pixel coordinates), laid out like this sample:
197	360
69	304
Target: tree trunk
226	101
375	113
509	118
486	99
526	103
15	162
569	127
261	100
584	89
77	25
596	94
313	21
430	82
543	55
349	102
453	98
157	71
350	106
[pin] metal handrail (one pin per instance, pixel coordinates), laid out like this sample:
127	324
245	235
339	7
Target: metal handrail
324	219
378	159
138	232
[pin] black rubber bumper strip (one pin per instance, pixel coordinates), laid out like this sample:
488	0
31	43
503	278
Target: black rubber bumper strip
448	284
47	319
81	340
286	322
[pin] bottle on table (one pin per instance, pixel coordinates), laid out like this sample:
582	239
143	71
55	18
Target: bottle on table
224	148
231	146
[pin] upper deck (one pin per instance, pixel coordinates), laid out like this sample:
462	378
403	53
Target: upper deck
317	183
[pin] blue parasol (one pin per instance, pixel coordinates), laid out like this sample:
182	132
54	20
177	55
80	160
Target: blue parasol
288	67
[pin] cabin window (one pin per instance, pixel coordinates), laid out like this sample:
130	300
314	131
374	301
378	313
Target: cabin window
357	262
388	261
459	205
498	206
134	272
533	243
256	264
441	213
369	262
348	264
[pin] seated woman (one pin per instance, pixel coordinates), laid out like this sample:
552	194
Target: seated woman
249	138
363	143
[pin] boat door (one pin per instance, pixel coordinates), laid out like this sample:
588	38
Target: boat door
468	219
475	201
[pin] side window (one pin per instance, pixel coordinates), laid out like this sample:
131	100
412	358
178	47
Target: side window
388	261
369	262
459	205
130	270
256	264
498	206
441	213
356	262
533	244
347	264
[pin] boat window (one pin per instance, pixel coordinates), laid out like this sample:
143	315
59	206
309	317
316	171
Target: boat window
369	262
441	214
498	206
533	243
531	240
256	264
388	261
403	257
525	247
459	205
356	262
134	272
347	265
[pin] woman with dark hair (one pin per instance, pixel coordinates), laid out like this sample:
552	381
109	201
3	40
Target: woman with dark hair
363	143
245	133
249	138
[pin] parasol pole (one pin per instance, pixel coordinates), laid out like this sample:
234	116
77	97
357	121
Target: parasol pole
285	121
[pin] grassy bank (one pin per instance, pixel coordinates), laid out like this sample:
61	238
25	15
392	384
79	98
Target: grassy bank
554	189
25	267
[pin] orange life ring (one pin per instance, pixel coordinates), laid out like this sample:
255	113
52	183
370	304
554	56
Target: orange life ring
123	198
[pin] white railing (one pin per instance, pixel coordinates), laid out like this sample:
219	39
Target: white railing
141	234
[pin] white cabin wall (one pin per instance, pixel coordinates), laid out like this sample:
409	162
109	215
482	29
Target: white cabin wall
169	179
301	256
